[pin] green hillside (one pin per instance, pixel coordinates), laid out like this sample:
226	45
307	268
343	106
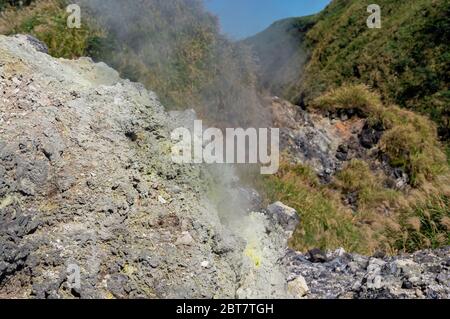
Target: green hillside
407	60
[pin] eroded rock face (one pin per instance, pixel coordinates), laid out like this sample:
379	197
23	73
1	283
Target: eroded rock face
87	183
328	143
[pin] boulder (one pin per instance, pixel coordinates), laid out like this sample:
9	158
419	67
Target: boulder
317	256
286	216
298	287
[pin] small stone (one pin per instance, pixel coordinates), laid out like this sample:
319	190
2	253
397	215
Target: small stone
143	189
185	239
27	187
407	285
175	189
414	280
379	255
298	288
436	269
356	286
353	267
162	200
205	264
377	283
443	279
317	256
407	267
419	293
336	254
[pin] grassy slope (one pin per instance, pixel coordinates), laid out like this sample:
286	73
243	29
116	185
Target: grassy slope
47	20
385	219
407	61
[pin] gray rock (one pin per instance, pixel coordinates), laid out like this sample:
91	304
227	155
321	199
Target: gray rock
27	187
35	43
355	276
79	150
286	216
317	256
298	287
185	239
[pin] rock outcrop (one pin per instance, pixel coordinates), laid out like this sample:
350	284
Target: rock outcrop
328	143
88	188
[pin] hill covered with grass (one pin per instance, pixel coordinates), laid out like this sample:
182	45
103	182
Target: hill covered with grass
407	60
278	49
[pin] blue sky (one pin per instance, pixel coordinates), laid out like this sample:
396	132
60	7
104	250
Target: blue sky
242	18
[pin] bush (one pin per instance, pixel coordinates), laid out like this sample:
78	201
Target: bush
47	21
357	178
350	96
419	154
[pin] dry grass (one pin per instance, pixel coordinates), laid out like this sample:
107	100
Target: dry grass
350	97
325	222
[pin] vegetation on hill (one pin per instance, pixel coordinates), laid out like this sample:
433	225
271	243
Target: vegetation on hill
342	64
279	48
407	60
47	20
409	140
384	218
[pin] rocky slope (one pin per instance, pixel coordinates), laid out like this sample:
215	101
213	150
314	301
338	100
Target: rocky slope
425	274
87	182
328	143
